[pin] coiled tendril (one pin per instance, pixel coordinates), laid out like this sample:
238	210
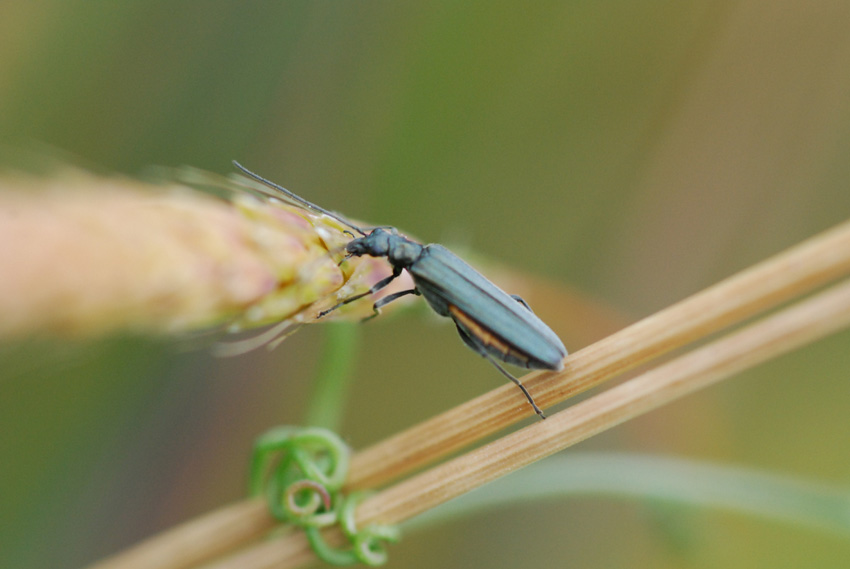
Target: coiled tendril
301	471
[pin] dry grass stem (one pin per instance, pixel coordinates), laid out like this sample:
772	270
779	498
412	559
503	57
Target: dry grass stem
809	320
198	540
790	274
812	319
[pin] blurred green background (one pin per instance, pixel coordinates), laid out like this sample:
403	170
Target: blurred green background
635	151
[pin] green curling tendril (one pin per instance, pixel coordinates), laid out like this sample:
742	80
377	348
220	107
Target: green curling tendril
301	471
367	543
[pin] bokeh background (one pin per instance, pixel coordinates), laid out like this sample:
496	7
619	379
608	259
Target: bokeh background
635	152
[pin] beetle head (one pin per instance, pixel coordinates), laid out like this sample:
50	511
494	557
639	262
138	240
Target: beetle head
386	242
375	244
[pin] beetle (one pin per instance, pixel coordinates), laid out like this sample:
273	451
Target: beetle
494	324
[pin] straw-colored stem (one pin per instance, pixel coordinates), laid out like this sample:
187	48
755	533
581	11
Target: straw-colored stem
803	323
809	320
219	532
796	271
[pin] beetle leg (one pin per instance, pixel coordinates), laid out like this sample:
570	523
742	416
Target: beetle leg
344	259
378	286
470	341
519	299
518	383
388	299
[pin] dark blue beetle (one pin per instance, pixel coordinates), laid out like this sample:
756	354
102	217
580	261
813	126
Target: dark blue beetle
493	323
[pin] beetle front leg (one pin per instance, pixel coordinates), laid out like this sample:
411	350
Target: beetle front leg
378	286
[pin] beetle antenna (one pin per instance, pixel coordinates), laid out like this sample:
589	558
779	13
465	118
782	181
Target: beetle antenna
297	198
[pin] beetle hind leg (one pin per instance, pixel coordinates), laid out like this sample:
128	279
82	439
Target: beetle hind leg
478	348
517	382
376	308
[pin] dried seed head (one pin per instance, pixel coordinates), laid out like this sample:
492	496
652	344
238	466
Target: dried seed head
82	255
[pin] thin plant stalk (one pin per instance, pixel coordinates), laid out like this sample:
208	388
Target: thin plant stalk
332	380
803	323
794	272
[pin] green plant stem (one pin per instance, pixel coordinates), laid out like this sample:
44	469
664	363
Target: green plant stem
331	386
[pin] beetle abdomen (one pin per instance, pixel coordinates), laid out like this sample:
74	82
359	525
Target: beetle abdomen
492	319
